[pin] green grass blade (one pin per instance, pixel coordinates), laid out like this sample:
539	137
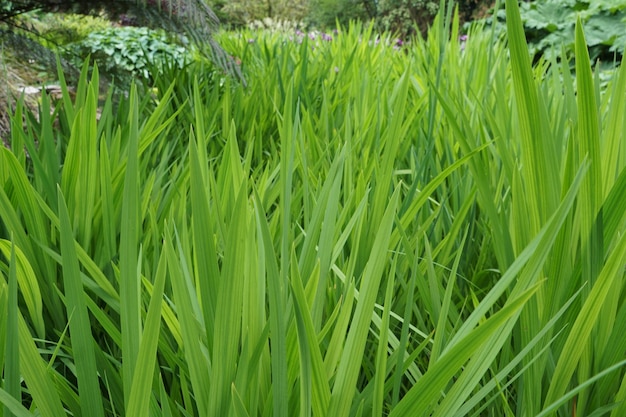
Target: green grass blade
383	347
278	328
13	407
228	317
350	363
34	370
539	173
129	279
80	329
146	359
427	390
551	408
613	134
576	343
310	349
197	362
27	283
11	361
237	403
204	246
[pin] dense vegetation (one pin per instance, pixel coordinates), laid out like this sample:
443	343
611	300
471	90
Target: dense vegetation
549	25
364	228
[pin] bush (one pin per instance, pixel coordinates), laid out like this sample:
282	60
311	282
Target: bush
406	16
326	13
62	29
550	23
126	51
238	13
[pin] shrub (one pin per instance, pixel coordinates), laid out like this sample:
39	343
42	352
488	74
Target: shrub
326	13
550	23
239	13
124	51
61	29
405	16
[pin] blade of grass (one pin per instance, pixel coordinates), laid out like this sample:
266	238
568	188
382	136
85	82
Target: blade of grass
27	283
350	363
427	390
278	328
551	408
310	348
383	346
576	343
80	329
13	407
228	319
11	361
540	176
199	370
146	359
39	382
129	279
204	246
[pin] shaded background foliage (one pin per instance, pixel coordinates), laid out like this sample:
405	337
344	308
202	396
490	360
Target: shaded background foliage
28	37
404	17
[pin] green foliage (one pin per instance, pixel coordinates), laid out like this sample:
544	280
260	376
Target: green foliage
361	231
124	51
191	17
62	29
326	13
405	16
549	24
6	6
237	13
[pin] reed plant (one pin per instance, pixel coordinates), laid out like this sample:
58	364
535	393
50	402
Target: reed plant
361	230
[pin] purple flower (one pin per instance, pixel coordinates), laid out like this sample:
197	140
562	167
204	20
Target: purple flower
327	37
463	38
312	36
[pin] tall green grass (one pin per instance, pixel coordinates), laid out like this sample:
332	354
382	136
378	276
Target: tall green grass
359	231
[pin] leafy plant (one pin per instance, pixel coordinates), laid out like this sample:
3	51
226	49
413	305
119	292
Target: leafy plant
191	17
62	29
120	51
406	16
360	232
326	13
550	24
238	13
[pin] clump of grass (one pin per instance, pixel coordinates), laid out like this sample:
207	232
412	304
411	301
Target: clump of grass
361	230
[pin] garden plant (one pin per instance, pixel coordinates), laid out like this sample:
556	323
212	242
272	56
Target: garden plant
362	229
